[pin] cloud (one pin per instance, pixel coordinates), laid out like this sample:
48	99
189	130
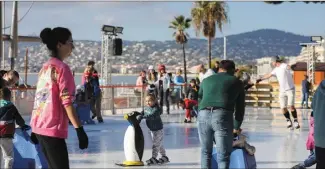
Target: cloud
101	19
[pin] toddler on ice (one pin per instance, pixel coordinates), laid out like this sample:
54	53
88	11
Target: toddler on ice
153	120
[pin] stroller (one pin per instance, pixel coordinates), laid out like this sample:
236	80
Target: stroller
82	105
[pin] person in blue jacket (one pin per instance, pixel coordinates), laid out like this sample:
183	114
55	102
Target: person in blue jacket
318	107
305	87
94	93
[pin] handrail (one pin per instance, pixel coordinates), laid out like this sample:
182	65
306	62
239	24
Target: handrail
107	86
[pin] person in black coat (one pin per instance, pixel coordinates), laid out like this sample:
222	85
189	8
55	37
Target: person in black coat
193	90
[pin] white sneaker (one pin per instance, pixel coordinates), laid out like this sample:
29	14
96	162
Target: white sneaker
296	125
289	124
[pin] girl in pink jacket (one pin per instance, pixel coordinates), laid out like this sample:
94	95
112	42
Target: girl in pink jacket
310	144
54	96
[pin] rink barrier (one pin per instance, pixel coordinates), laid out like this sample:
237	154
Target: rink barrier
239	159
84	113
117	99
26	154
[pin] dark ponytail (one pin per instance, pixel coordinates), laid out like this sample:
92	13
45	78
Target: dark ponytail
51	37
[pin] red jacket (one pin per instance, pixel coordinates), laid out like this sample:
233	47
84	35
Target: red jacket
189	104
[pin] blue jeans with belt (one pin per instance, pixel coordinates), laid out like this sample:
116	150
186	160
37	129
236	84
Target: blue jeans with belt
218	124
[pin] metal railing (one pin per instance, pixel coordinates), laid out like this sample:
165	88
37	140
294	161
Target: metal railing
118	97
113	98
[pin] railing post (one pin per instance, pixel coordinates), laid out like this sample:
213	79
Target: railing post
142	99
112	101
128	101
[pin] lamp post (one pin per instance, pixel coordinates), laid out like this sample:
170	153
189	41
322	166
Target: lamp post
310	47
109	33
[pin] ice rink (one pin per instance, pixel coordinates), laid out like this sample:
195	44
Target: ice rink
276	146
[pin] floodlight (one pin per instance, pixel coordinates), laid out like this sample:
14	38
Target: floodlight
316	38
303	44
119	30
108	28
309	44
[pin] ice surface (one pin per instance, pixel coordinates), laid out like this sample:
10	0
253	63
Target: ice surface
276	146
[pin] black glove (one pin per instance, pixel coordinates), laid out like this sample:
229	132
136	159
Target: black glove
25	127
258	80
82	137
33	138
139	118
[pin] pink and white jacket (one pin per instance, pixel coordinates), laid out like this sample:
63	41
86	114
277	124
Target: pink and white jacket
311	141
55	91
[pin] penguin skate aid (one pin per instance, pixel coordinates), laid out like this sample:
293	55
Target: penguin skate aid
134	140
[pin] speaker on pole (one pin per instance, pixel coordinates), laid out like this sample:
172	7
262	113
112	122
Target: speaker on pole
117	46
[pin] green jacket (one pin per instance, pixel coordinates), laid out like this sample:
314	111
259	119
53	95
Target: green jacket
153	119
225	91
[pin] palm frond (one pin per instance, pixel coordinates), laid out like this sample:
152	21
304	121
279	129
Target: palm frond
180	24
197	18
207	15
172	26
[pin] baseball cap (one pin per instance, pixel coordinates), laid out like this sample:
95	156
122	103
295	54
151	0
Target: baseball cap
275	58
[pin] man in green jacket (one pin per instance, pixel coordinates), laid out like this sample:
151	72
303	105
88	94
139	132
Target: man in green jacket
220	95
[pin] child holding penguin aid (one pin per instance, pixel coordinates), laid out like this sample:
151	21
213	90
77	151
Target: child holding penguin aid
153	120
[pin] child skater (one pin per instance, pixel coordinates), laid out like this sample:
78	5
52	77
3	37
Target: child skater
311	159
152	115
189	106
8	116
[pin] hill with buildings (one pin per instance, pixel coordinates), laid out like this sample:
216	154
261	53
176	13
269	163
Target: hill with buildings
243	48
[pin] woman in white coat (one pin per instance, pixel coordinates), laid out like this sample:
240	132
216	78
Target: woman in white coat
163	84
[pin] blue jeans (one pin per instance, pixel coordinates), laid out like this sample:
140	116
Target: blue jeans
217	124
304	98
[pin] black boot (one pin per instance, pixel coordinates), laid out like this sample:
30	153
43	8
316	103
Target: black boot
100	120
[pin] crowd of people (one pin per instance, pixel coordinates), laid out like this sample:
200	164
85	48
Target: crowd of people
216	98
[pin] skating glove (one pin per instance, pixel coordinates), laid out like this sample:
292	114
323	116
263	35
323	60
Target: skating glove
139	118
25	127
33	138
82	137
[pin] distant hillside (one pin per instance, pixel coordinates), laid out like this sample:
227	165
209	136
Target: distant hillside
243	48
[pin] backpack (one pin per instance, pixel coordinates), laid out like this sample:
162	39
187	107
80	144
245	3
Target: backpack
95	87
89	90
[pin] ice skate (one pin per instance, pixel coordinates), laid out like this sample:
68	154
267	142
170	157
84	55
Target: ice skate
152	161
163	160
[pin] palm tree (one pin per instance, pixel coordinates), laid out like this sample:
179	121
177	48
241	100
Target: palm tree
180	24
205	16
